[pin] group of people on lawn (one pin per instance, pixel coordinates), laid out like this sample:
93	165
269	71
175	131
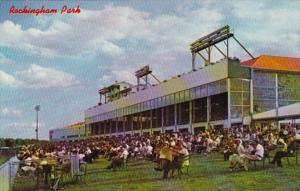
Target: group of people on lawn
240	145
255	145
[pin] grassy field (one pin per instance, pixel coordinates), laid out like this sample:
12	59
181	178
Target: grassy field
207	173
3	159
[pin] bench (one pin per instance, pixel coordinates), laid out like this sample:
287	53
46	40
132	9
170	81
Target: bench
266	156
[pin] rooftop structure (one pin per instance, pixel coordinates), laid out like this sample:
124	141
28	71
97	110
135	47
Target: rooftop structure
115	91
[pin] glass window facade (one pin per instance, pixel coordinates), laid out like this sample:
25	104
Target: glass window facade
239	97
199	110
288	89
160	111
264	91
183	113
219	107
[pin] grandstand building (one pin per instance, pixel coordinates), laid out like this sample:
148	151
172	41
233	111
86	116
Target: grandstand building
227	93
222	94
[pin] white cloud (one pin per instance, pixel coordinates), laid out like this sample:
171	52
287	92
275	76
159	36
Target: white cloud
4	59
42	77
38	77
134	38
118	75
10	112
9	80
99	31
273	30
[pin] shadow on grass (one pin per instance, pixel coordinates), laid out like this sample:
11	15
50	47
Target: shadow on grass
108	183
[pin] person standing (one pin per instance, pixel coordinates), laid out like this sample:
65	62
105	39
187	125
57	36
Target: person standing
165	157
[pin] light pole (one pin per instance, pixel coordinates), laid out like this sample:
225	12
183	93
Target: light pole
37	109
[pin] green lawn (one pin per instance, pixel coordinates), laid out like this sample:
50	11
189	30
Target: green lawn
206	173
3	159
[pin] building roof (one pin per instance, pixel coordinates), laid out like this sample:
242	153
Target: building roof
269	62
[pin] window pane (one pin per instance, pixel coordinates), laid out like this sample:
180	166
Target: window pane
177	97
236	98
246	98
193	93
198	91
182	96
246	85
236	84
236	111
203	91
172	99
187	95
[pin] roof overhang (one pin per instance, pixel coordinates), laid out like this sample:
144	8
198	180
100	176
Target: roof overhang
290	111
274	63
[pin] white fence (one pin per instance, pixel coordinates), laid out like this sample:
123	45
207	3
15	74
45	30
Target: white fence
8	173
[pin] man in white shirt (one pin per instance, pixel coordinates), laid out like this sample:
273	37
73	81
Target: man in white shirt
149	150
259	152
124	154
258	155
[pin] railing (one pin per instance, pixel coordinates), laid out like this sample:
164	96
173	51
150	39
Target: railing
8	172
9	169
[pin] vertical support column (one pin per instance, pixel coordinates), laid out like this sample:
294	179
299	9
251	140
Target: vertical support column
78	132
138	84
123	120
227	49
193	61
251	96
131	124
104	128
117	125
175	117
110	127
209	55
191	116
208	109
276	99
141	123
151	121
162	120
228	103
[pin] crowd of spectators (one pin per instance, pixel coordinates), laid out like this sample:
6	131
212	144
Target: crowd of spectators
239	146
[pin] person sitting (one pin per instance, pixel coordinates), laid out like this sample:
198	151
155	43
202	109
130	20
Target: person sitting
237	158
119	160
229	149
288	150
210	144
148	151
258	154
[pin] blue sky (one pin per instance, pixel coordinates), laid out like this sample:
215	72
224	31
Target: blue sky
60	61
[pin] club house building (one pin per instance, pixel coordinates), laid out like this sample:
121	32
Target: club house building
220	95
